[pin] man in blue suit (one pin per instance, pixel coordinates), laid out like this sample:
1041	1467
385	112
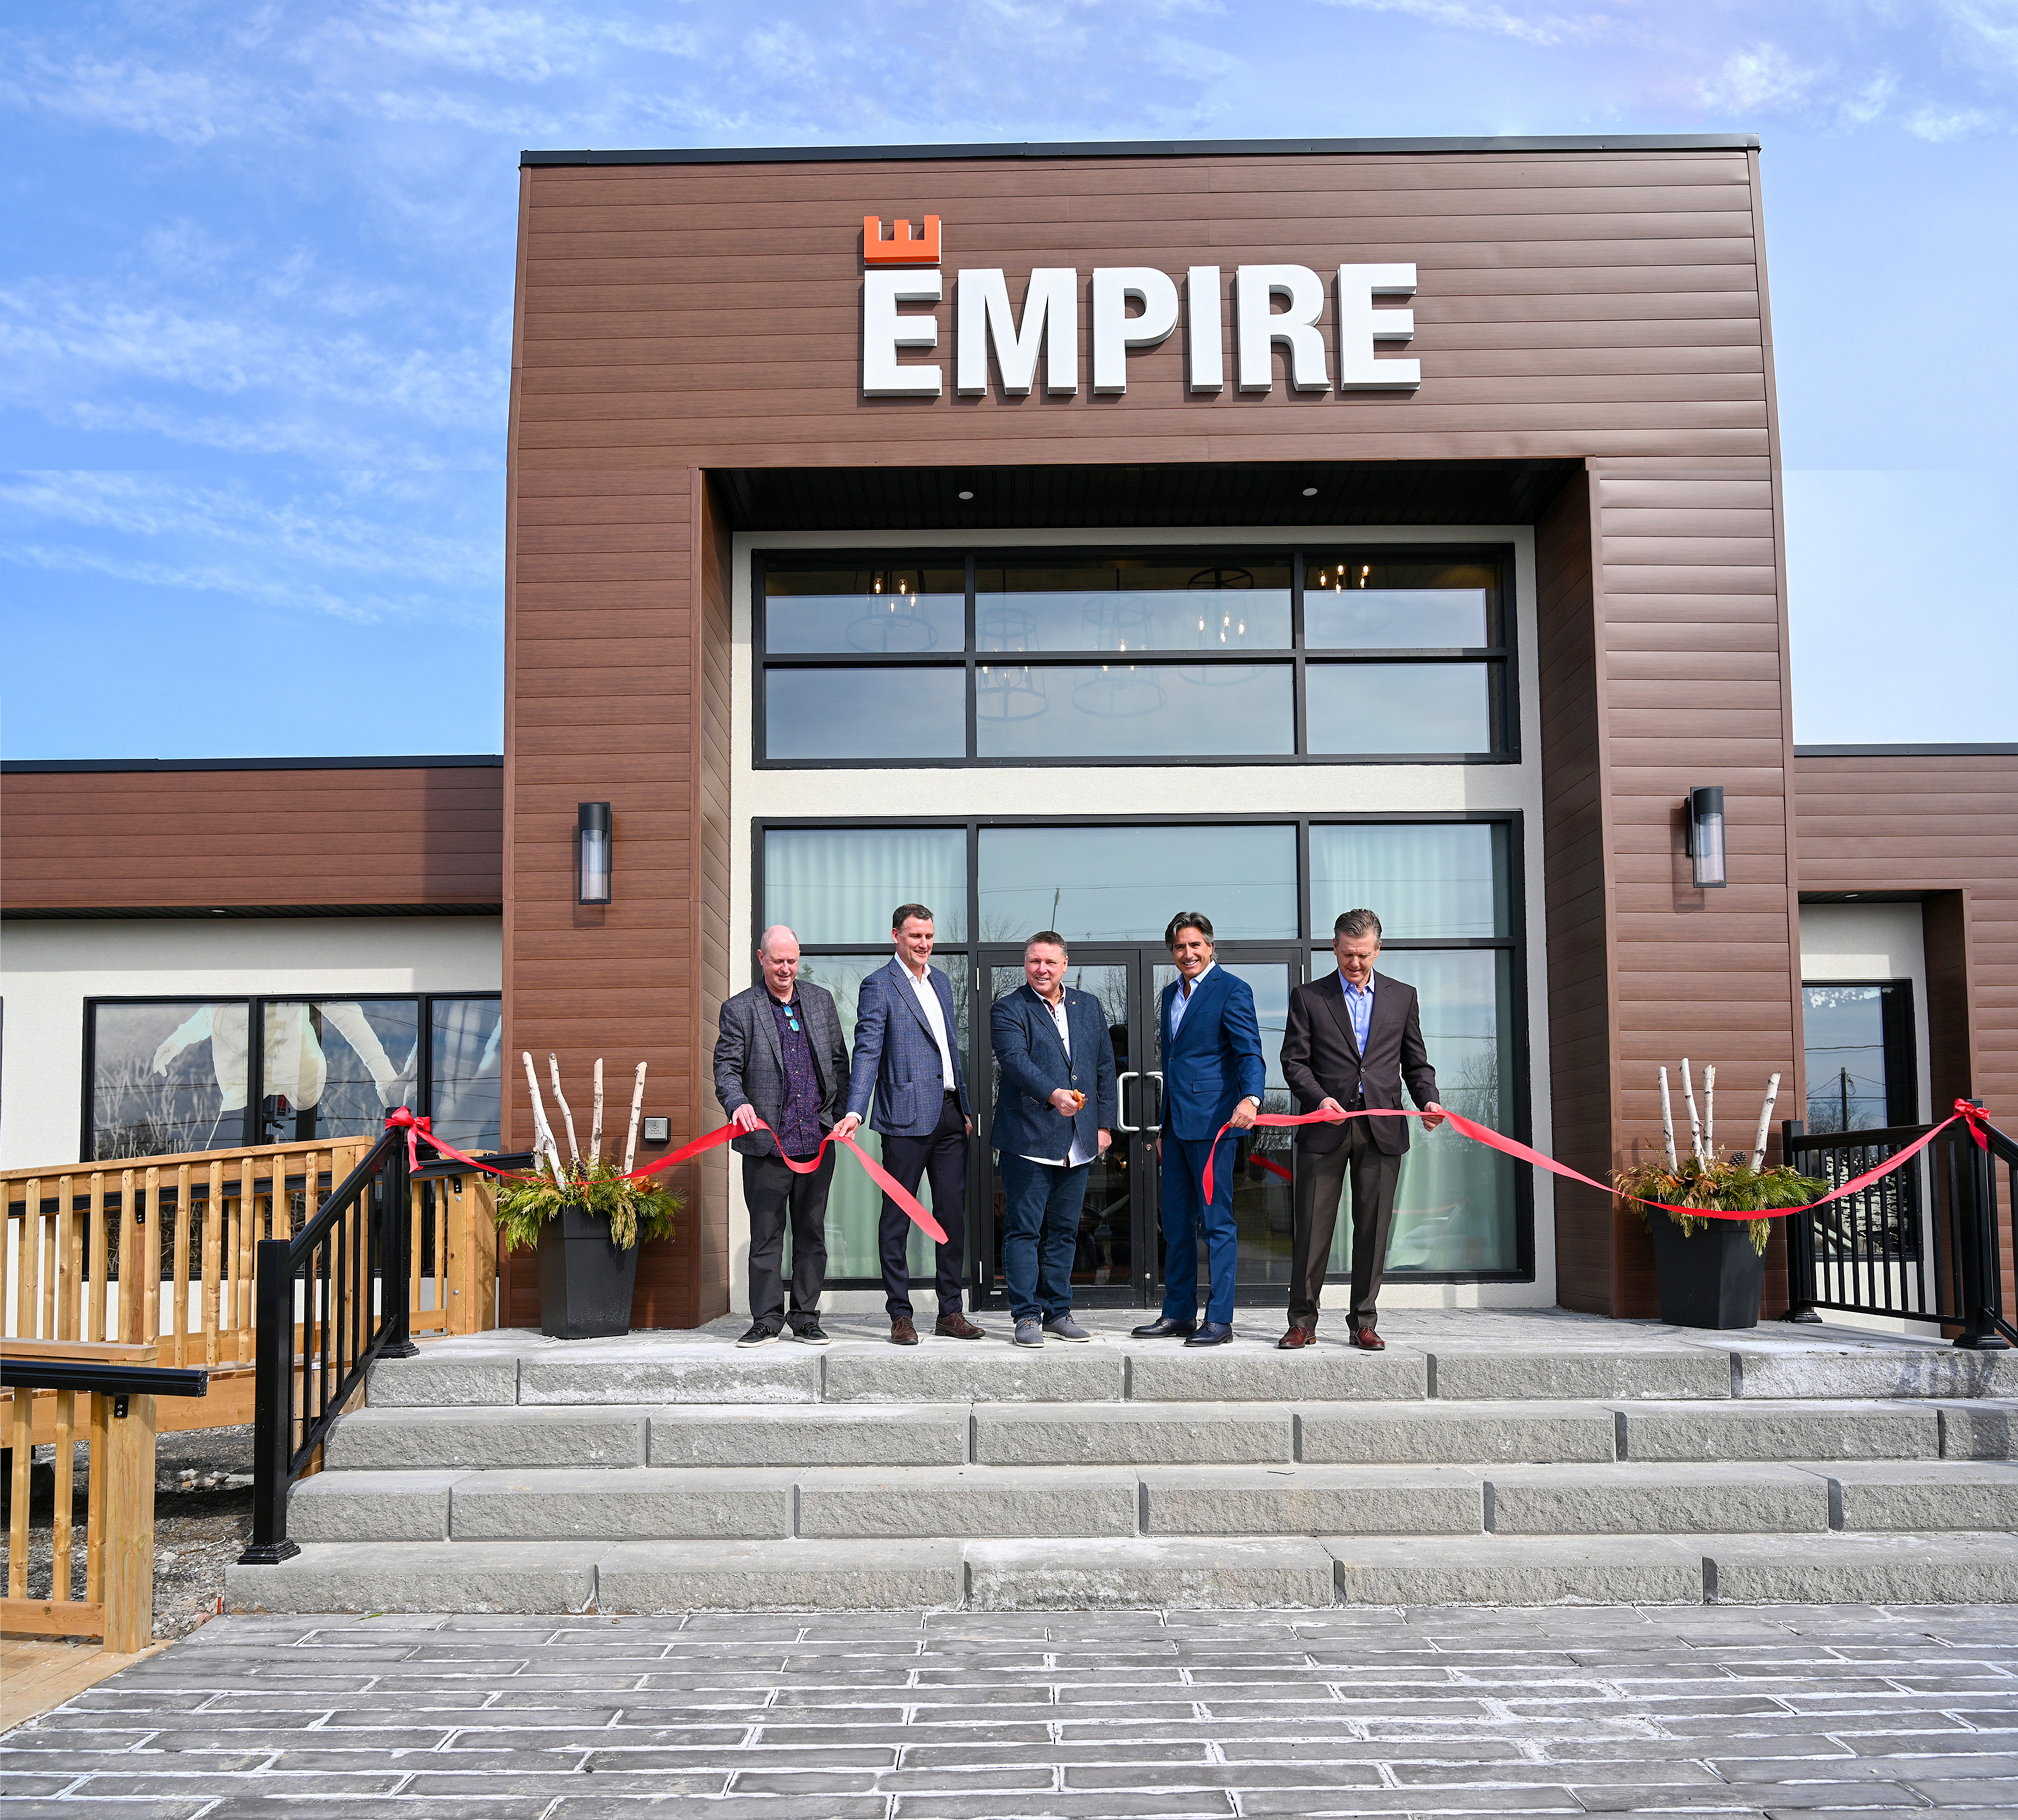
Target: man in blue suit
1054	1112
907	1055
1214	1075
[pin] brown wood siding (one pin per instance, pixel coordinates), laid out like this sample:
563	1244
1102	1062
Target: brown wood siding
423	836
1945	826
1605	307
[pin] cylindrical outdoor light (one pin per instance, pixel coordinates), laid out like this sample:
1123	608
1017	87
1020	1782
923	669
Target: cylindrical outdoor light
591	872
1705	836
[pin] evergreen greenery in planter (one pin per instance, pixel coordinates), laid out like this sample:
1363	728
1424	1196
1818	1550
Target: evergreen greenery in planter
1713	1280
585	1218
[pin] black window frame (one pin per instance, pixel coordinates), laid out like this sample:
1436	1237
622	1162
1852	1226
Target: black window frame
255	1058
1520	1112
1500	659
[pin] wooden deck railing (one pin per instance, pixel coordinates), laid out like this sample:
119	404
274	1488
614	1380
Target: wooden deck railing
197	1218
118	1432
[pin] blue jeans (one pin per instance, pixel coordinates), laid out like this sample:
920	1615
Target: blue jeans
1041	1235
1186	1214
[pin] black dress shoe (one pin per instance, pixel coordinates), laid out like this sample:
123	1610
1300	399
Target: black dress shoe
1162	1327
1212	1334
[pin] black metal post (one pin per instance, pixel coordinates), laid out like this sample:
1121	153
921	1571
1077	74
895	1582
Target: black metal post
1800	1240
273	1401
1976	1245
394	1244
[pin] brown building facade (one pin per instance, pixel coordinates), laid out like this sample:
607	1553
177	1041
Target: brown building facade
1262	529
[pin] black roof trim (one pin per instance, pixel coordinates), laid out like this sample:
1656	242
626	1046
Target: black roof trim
430	761
1687	142
1979	751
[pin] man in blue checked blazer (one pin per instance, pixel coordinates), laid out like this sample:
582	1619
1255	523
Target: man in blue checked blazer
907	1056
1054	1112
1214	1075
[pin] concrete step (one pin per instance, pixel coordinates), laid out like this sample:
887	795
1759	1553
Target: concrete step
1632	1499
1922	1495
1140	1433
658	1369
1018	1575
928	1502
1454	1433
1781	1431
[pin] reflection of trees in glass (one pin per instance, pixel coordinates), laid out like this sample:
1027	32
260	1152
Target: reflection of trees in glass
154	1094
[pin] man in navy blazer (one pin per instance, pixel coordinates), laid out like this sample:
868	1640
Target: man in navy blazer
1214	1075
1055	1108
907	1055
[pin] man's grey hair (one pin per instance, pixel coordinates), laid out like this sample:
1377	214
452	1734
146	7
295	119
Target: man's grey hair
1357	923
1188	919
1046	938
776	928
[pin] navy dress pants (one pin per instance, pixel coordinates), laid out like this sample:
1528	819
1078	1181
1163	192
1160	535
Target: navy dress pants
1041	1234
1187	1214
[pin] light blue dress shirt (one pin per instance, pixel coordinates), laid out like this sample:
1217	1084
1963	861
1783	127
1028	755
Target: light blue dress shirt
1359	1008
1181	1002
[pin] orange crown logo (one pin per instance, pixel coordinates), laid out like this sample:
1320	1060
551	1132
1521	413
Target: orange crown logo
900	249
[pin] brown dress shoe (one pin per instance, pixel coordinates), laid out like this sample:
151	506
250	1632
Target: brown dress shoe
957	1326
1368	1341
903	1332
1296	1339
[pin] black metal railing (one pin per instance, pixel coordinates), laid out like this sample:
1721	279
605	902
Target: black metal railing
326	1303
1927	1243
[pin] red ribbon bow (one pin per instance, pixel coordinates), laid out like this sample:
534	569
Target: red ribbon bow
1972	1115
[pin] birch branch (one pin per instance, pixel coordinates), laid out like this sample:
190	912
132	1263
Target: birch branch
636	1106
1695	1120
1668	1123
595	1123
543	1135
1709	1110
560	1100
1765	1122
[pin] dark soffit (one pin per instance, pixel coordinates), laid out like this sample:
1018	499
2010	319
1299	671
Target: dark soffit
1700	142
1177	495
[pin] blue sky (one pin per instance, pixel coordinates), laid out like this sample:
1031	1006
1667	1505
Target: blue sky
255	294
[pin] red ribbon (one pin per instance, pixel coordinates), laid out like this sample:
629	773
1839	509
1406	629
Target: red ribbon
1969	1114
400	1118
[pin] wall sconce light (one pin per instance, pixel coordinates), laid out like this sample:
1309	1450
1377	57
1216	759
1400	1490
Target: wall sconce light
1704	836
591	872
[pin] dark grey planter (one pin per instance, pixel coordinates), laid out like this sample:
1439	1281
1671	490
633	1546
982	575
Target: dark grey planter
585	1281
1709	1278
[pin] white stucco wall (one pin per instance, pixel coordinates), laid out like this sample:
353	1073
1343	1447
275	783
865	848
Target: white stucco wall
1160	788
1872	941
48	969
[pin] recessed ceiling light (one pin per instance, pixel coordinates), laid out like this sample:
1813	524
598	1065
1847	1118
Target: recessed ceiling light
1310	492
965	494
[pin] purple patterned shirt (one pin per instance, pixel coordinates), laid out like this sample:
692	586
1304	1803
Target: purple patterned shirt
798	1123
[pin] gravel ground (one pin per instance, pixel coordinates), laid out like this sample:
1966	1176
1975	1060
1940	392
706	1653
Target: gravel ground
203	1515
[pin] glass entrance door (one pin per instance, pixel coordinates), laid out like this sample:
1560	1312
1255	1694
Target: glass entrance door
1119	1258
1114	1249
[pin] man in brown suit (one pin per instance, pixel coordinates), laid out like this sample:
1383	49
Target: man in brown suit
1352	1039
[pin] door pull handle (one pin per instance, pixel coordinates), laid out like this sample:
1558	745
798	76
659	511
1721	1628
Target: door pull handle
1121	1096
1155	1074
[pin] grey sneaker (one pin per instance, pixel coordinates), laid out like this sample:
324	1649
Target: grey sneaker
1030	1332
1062	1327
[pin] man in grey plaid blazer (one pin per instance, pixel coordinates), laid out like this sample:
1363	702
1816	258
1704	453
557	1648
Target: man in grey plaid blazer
781	1058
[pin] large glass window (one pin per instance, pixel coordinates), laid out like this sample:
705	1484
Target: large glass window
174	1076
836	887
1446	893
1100	657
1862	1071
1426	881
1124	884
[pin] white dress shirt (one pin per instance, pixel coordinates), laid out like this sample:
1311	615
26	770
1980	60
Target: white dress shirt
1080	1152
929	1000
